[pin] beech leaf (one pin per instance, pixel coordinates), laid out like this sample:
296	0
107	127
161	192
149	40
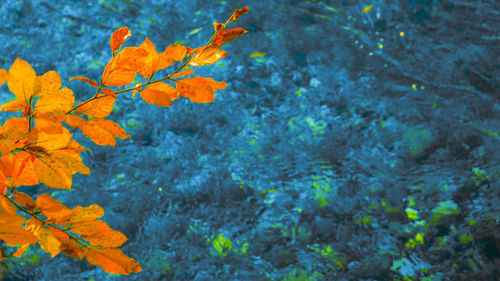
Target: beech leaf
160	94
86	80
118	38
21	79
111	260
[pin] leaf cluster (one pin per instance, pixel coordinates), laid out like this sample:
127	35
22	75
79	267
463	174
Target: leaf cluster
37	148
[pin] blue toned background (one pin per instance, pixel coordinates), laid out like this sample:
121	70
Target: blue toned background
354	146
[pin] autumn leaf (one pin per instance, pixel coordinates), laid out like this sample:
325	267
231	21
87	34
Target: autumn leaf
199	89
48	241
100	107
238	13
49	83
137	87
109	92
367	9
24	200
118	38
176	52
53	173
54	210
207	56
18	169
86	80
154	61
42	142
72	249
160	94
3	76
81	214
183	73
226	36
21	79
98	233
21	250
111	260
13	106
100	131
53	106
121	70
7	207
12	232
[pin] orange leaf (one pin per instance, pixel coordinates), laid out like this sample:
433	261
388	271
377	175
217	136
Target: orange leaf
117	77
86	80
3	76
21	250
111	260
226	36
100	131
24	200
136	88
7	207
154	61
89	213
121	70
54	210
98	233
53	173
207	56
19	169
71	159
109	92
42	141
11	231
160	94
101	106
6	146
175	52
55	105
199	89
238	13
49	83
72	249
48	241
183	73
21	79
46	203
118	37
13	106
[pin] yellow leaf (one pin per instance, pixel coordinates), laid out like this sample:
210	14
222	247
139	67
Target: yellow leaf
366	9
47	84
89	213
48	241
13	106
257	54
21	79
